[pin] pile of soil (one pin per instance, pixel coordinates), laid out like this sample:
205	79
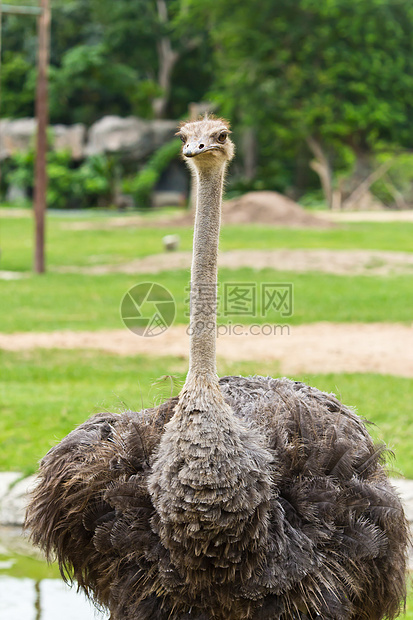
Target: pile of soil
269	208
260	208
264	207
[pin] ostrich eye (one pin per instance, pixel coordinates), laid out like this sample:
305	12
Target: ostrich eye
183	138
222	137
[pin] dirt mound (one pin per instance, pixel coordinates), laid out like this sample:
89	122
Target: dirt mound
260	208
268	208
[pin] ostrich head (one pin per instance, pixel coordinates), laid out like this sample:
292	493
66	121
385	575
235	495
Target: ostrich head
206	143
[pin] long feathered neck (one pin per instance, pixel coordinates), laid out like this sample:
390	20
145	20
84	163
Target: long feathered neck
203	315
210	482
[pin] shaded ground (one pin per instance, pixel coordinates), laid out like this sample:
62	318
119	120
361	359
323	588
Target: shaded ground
315	348
339	262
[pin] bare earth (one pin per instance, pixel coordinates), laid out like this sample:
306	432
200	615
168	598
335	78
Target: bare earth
339	262
320	347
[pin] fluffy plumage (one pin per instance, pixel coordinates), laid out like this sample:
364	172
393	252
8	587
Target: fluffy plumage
330	529
247	499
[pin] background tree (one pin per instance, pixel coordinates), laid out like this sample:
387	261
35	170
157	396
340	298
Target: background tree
314	75
320	85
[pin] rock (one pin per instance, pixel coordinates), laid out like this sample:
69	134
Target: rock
405	491
168	199
14	500
171	242
70	138
16	136
7	479
132	137
16	194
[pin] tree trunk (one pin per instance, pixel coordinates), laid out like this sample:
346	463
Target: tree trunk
365	185
167	59
42	116
249	153
321	165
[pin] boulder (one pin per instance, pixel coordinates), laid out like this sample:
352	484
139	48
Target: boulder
70	138
132	137
14	498
16	136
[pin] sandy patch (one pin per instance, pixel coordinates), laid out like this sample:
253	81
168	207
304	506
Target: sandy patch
366	216
340	262
13	275
320	347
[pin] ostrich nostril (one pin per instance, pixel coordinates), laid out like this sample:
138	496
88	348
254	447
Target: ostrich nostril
201	146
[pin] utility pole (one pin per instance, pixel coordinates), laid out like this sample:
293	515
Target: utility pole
42	115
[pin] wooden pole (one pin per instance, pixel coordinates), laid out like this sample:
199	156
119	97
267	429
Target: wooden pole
42	115
1	26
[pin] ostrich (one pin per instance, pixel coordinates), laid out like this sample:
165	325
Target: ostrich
242	498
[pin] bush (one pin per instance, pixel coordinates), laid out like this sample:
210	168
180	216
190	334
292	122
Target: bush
69	186
143	184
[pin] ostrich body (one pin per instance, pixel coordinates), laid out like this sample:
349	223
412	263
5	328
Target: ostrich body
242	498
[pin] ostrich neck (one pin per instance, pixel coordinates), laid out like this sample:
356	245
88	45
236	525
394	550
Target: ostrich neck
210	481
203	317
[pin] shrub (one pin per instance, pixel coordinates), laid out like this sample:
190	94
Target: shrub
142	185
69	186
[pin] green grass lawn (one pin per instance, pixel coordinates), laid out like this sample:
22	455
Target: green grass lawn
44	394
72	301
116	245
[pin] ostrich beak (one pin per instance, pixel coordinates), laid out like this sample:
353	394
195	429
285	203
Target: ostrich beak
192	149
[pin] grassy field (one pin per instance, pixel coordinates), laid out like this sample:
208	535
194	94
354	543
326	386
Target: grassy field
63	387
73	301
44	394
67	246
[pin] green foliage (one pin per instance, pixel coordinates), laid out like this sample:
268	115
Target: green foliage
396	184
21	170
68	186
17	86
90	84
338	70
104	60
144	182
